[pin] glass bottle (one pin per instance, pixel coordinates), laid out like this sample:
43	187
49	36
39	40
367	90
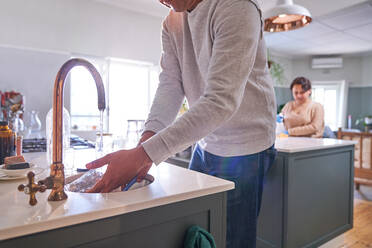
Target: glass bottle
7	141
35	126
104	144
66	133
18	125
1	110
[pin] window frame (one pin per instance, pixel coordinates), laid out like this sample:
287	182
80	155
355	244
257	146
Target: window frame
342	88
104	64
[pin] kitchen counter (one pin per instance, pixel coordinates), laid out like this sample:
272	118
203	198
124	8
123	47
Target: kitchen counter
307	200
308	194
172	185
302	144
286	145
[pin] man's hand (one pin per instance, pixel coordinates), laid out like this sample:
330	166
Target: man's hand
122	166
145	136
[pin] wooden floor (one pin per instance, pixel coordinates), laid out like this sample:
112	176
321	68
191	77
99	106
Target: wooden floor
361	235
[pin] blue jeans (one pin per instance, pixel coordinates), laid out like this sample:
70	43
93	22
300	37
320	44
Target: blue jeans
244	202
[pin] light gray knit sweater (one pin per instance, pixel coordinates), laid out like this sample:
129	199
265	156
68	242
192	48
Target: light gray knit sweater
216	57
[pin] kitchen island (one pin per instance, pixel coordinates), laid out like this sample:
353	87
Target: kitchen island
308	195
156	215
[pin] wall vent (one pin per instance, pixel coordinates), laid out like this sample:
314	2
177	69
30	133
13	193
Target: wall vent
326	62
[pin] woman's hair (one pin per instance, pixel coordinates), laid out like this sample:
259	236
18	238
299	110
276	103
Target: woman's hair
304	82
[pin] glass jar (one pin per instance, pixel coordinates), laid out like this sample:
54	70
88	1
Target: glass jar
34	126
7	141
104	144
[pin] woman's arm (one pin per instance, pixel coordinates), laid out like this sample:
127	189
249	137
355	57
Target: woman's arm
316	124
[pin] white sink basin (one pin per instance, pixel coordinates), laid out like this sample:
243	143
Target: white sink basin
81	182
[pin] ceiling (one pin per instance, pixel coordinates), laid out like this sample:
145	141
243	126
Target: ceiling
338	27
346	32
149	7
154	8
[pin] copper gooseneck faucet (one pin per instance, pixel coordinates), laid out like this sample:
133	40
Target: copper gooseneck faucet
56	180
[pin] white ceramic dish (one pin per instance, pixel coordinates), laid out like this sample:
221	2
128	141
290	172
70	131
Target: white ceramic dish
19	173
4	177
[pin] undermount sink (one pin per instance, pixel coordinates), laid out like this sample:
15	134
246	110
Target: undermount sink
82	181
146	181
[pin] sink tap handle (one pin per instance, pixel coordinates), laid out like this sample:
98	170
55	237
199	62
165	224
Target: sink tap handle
47	182
31	188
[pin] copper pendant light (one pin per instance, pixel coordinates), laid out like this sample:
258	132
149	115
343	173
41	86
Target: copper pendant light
286	16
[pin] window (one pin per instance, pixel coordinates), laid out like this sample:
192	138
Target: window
332	95
130	88
130	93
83	96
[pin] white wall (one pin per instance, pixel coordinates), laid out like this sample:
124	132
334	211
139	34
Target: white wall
367	70
37	37
31	73
82	26
357	71
351	71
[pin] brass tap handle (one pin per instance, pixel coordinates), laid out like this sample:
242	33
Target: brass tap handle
47	182
31	188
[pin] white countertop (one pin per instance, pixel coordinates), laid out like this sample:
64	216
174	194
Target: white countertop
171	184
300	144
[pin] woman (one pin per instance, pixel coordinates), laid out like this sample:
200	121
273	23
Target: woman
303	117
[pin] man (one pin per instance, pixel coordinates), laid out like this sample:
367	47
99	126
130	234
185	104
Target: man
214	54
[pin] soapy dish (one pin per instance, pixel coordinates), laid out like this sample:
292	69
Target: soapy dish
83	181
6	174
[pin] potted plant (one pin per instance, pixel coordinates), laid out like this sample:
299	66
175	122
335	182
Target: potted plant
366	121
277	72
